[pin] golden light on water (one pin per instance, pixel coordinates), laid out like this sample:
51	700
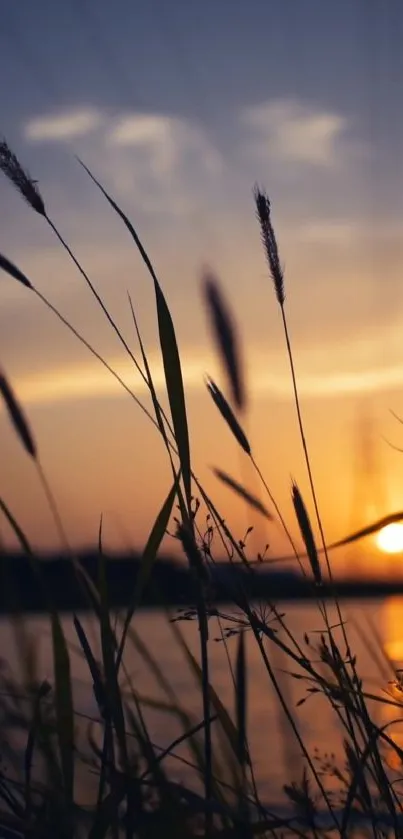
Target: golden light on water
390	538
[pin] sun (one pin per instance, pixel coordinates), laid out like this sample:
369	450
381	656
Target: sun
390	538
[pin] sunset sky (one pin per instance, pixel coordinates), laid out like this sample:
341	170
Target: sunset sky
178	108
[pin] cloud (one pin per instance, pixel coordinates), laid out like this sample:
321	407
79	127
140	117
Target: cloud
169	141
151	135
293	132
359	232
64	125
341	232
167	162
91	381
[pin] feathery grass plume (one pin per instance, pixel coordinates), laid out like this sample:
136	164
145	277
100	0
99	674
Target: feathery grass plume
17	417
227	414
306	532
263	212
11	269
226	337
12	169
243	493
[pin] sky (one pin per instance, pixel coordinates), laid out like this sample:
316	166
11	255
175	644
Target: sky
178	109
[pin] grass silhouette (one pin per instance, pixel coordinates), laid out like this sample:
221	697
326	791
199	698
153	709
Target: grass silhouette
136	795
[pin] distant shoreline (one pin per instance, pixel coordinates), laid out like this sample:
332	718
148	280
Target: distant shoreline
171	584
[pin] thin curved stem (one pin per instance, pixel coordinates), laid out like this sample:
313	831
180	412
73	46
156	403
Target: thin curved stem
95	293
95	353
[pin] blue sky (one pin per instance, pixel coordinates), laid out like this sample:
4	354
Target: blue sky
179	108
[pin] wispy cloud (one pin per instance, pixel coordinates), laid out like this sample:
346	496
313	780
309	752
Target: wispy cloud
347	231
165	139
63	125
166	161
166	144
293	132
135	129
330	231
91	382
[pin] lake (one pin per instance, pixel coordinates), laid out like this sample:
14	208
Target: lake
274	751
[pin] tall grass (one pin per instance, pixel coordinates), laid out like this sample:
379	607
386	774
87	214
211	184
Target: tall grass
136	793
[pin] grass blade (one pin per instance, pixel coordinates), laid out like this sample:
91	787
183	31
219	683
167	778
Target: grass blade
169	350
174	384
356	536
375	527
149	556
222	714
196	563
93	666
64	707
109	645
17	529
241	717
156	405
241	699
61	664
42	692
154	540
101	700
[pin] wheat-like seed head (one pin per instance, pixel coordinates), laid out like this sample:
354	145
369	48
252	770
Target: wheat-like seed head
17	416
13	271
227	413
12	169
306	533
226	337
263	212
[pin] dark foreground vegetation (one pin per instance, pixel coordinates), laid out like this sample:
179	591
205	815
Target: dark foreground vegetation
219	796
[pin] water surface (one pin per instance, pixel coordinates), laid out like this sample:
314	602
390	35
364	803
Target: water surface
275	753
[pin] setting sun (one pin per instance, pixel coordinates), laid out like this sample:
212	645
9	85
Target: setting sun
390	538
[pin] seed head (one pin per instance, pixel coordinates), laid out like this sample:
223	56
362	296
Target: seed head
14	272
263	210
17	416
306	533
13	170
226	337
228	414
